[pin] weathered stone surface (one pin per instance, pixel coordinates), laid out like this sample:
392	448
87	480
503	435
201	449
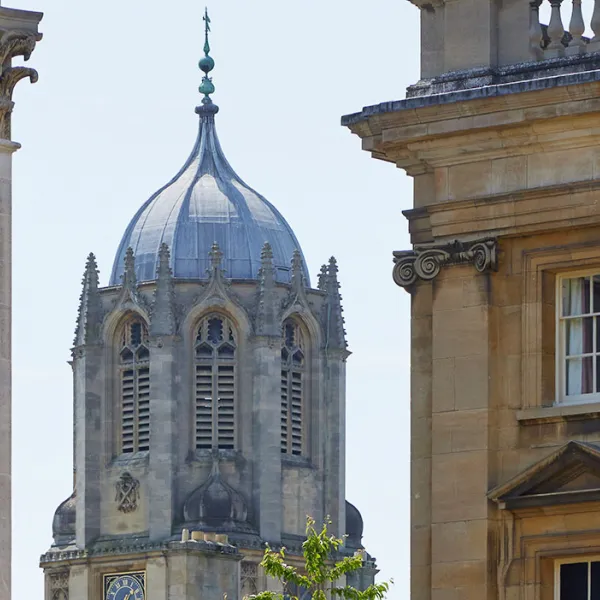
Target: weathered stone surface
507	152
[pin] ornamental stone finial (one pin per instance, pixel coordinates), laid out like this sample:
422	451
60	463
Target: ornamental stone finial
89	311
297	272
322	281
267	270
266	321
426	261
129	279
333	318
162	319
216	256
215	272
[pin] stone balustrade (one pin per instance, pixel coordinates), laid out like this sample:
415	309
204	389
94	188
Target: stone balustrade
555	39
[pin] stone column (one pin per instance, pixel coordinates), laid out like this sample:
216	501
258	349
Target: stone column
6	150
18	38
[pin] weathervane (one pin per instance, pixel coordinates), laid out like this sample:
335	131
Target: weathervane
206	64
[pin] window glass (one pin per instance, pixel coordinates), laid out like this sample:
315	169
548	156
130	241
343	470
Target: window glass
579	351
595	575
574	581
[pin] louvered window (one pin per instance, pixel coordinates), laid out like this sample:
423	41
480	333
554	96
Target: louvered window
292	389
134	381
215	350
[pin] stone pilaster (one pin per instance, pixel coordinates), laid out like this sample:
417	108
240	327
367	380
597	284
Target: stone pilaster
267	436
163	404
6	150
335	440
334	428
18	38
88	366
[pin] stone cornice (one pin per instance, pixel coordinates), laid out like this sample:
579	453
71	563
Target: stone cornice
420	138
120	549
426	261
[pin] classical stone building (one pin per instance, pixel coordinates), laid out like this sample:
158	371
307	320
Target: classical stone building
209	398
502	138
18	37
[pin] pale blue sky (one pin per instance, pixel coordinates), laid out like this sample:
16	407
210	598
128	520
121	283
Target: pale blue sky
112	119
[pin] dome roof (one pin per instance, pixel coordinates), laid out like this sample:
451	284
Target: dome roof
354	526
206	202
215	502
63	524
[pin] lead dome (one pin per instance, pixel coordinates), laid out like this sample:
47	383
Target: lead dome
207	202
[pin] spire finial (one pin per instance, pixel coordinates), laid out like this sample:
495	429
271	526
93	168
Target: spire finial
206	64
129	279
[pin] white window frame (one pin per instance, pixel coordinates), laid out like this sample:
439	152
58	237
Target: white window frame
560	344
572	560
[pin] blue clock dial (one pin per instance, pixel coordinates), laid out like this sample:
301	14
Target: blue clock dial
125	587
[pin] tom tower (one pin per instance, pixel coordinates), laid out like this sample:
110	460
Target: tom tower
209	397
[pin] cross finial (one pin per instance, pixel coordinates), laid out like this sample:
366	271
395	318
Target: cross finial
206	64
206	20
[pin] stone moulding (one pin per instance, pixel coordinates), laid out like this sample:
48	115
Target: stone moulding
425	261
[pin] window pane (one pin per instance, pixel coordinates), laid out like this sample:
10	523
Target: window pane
595	581
573	581
579	376
596	292
580	336
576	296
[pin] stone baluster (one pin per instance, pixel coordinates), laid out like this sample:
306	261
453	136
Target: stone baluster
556	30
577	27
595	23
535	29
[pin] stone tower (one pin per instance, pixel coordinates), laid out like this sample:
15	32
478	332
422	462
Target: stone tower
209	392
501	135
18	37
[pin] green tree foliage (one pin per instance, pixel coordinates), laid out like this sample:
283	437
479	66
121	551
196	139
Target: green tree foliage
320	576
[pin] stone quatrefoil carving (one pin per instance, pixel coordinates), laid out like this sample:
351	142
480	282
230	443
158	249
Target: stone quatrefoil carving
128	493
426	261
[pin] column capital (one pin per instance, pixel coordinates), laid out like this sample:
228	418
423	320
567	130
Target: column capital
426	261
18	37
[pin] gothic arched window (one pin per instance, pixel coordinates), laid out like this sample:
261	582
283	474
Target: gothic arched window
292	388
134	384
215	350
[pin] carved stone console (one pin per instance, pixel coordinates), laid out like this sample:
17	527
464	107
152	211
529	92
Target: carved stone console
426	261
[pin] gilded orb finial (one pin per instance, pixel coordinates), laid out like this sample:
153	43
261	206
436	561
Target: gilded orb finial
206	64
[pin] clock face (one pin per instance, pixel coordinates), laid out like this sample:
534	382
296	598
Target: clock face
124	586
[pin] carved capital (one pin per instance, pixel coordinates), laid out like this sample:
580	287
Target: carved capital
426	261
13	44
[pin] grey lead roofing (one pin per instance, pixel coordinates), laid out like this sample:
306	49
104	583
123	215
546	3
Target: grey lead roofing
207	202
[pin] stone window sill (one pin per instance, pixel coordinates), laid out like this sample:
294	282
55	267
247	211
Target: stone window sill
558	413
